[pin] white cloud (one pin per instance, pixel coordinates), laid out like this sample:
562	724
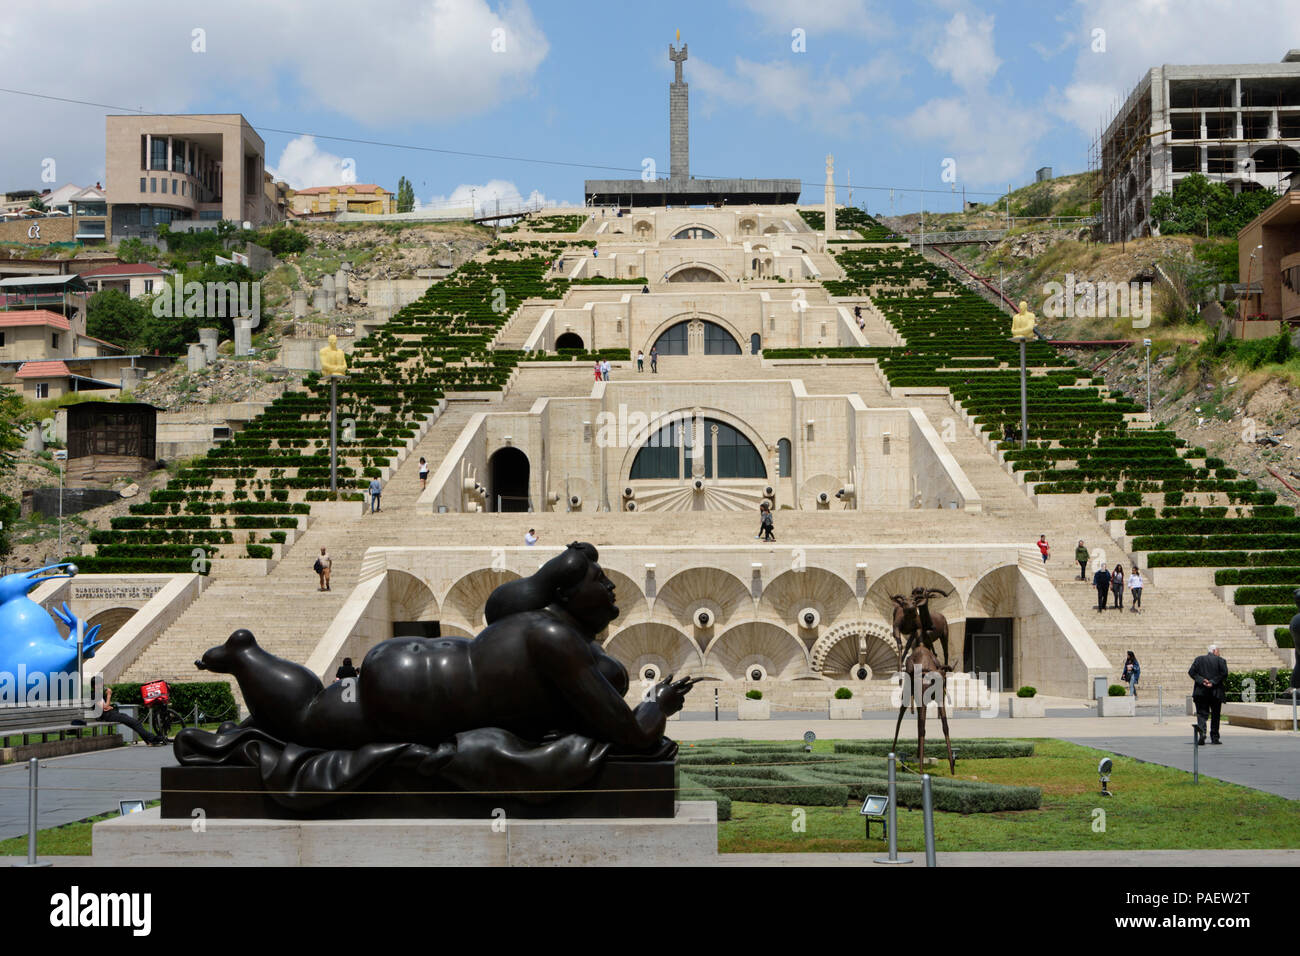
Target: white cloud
413	61
303	164
989	140
791	89
1141	34
860	17
966	51
485	195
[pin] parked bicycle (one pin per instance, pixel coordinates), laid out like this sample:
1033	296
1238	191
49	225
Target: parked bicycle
156	696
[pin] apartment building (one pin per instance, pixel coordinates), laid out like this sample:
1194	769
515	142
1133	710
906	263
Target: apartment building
184	170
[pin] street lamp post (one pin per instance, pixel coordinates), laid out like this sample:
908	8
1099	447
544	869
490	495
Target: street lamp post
1245	292
1147	344
60	455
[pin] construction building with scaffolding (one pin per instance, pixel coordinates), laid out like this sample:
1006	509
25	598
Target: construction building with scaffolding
1238	124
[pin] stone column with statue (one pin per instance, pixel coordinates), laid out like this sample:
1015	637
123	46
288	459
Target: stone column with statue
333	366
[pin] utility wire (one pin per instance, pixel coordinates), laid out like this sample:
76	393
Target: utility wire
444	151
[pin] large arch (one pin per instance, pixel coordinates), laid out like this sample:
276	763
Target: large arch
466	599
696	337
689	316
849	649
409	598
695	272
632	604
776	650
686	415
901	581
686	593
657	645
568	340
994	594
508	480
695	230
1276	158
669	452
110	621
796	591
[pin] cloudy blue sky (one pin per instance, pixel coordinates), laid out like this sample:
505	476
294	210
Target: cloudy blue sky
562	90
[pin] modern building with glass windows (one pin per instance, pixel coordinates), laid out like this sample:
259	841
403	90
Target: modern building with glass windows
184	170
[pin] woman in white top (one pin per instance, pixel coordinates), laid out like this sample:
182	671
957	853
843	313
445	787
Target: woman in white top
1135	588
424	474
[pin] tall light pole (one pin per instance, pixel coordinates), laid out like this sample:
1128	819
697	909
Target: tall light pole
60	455
473	204
1147	344
1245	292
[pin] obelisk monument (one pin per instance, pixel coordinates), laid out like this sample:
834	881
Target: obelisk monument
830	196
679	119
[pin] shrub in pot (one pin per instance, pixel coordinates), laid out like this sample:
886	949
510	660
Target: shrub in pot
754	695
843	693
1027	691
1118	690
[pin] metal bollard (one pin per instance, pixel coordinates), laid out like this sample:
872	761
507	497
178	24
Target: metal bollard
33	765
715	704
1294	694
927	810
1160	704
1196	754
893	814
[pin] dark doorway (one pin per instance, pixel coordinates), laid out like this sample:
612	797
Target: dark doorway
569	340
755	343
987	651
508	490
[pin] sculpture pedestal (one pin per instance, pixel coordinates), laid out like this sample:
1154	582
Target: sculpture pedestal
688	838
622	788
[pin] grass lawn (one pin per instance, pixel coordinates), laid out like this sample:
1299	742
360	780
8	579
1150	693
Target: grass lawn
1154	808
71	839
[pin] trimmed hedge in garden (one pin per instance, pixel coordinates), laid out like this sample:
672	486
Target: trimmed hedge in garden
213	698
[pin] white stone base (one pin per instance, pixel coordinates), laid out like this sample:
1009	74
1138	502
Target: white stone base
1258	715
850	709
754	710
145	839
1025	706
1116	707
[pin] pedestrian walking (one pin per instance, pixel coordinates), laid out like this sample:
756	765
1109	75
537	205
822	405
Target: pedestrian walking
1117	587
1208	673
1132	671
322	567
530	538
597	370
1044	548
762	514
376	490
768	525
1081	555
654	359
424	474
640	361
604	369
1135	589
1101	581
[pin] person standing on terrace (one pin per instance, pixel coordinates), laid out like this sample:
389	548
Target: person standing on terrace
1081	555
1044	548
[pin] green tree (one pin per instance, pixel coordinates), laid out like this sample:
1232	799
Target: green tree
405	195
1201	207
115	317
11	439
38	204
133	250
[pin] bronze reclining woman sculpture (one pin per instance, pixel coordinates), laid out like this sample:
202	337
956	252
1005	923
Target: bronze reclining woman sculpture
531	703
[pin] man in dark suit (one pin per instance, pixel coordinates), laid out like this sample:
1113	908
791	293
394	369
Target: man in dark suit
1208	673
1101	581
